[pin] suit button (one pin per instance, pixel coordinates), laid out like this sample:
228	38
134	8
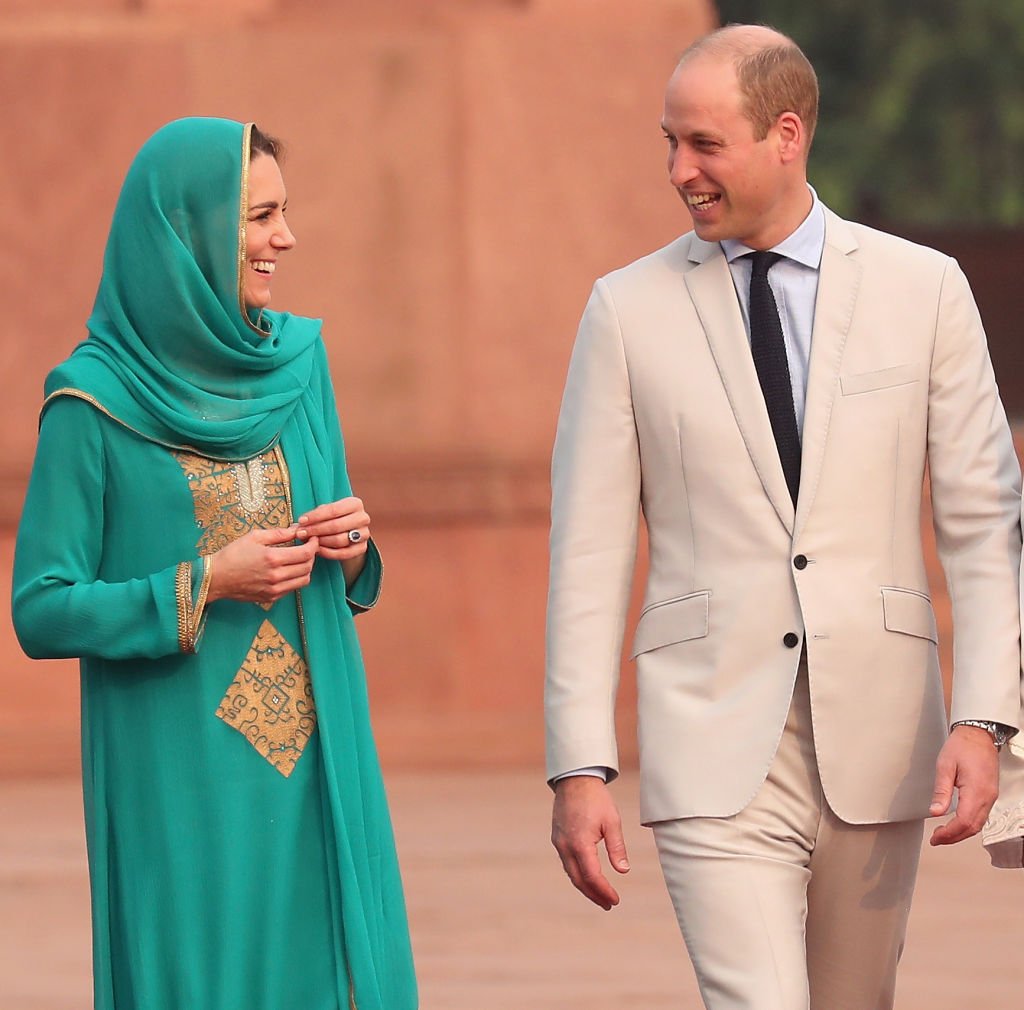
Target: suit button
800	562
791	641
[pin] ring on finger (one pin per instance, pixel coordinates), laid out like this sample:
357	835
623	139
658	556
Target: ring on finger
354	536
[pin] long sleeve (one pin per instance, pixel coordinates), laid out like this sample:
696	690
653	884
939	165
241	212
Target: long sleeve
595	510
364	593
61	608
975	493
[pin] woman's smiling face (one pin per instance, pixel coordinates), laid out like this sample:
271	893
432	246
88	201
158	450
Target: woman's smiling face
267	234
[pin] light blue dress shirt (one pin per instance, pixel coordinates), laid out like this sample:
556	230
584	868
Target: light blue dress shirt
794	282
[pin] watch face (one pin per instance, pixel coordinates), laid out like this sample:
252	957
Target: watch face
999	735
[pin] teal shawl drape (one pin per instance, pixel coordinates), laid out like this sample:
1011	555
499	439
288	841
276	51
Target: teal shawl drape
173	354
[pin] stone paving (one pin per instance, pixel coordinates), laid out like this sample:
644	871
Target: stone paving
495	924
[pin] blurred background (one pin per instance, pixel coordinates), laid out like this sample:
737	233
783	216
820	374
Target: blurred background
459	172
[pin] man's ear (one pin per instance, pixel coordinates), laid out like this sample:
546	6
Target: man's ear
792	137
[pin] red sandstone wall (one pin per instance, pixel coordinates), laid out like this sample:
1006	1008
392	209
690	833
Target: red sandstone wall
459	172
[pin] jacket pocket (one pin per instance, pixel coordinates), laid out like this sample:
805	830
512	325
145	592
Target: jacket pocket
884	378
909	613
677	620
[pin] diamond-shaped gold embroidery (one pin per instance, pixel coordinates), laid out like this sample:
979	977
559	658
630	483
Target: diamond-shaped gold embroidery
270	701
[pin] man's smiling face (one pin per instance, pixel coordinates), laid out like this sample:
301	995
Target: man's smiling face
734	185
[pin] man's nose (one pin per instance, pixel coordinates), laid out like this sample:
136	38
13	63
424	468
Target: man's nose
681	169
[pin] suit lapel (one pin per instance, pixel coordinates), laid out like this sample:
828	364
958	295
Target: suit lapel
838	283
714	297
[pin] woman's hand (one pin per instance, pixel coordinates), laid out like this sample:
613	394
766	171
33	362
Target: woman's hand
331	525
262	566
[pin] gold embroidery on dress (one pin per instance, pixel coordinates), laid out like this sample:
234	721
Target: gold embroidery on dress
251	483
231	499
183	601
270	701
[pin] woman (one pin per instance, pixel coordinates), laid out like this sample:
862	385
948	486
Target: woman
190	533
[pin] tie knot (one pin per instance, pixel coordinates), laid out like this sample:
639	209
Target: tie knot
762	262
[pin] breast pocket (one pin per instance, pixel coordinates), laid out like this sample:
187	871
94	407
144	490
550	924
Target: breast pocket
883	378
677	620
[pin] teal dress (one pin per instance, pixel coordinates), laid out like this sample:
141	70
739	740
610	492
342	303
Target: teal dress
240	849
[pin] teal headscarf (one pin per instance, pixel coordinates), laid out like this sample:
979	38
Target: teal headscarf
173	354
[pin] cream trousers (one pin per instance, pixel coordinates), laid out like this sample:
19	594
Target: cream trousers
785	907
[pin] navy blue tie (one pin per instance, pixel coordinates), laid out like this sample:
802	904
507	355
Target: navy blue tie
768	348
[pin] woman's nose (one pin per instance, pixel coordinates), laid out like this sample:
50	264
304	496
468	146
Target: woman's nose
283	238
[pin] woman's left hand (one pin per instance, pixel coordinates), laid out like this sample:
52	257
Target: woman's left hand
332	525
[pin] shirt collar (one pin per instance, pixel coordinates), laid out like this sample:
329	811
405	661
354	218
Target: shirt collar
805	245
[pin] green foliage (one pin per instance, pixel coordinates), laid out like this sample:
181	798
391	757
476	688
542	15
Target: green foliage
922	111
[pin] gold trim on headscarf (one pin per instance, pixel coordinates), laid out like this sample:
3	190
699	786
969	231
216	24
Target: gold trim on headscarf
174	446
243	220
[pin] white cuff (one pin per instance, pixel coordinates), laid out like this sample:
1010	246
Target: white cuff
596	770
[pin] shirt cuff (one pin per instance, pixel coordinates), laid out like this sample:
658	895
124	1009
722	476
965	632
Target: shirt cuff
1001	733
596	770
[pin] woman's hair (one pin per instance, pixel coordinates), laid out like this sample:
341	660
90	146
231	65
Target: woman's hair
264	143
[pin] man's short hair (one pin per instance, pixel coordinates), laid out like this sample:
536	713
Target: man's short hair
773	74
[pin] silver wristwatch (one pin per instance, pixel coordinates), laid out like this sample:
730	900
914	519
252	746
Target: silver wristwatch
999	733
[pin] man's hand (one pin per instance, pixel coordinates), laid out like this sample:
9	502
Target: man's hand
970	762
584	813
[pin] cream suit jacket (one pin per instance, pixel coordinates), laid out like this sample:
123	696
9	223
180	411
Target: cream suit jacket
662	412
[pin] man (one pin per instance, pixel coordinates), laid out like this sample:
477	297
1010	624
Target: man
772	417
